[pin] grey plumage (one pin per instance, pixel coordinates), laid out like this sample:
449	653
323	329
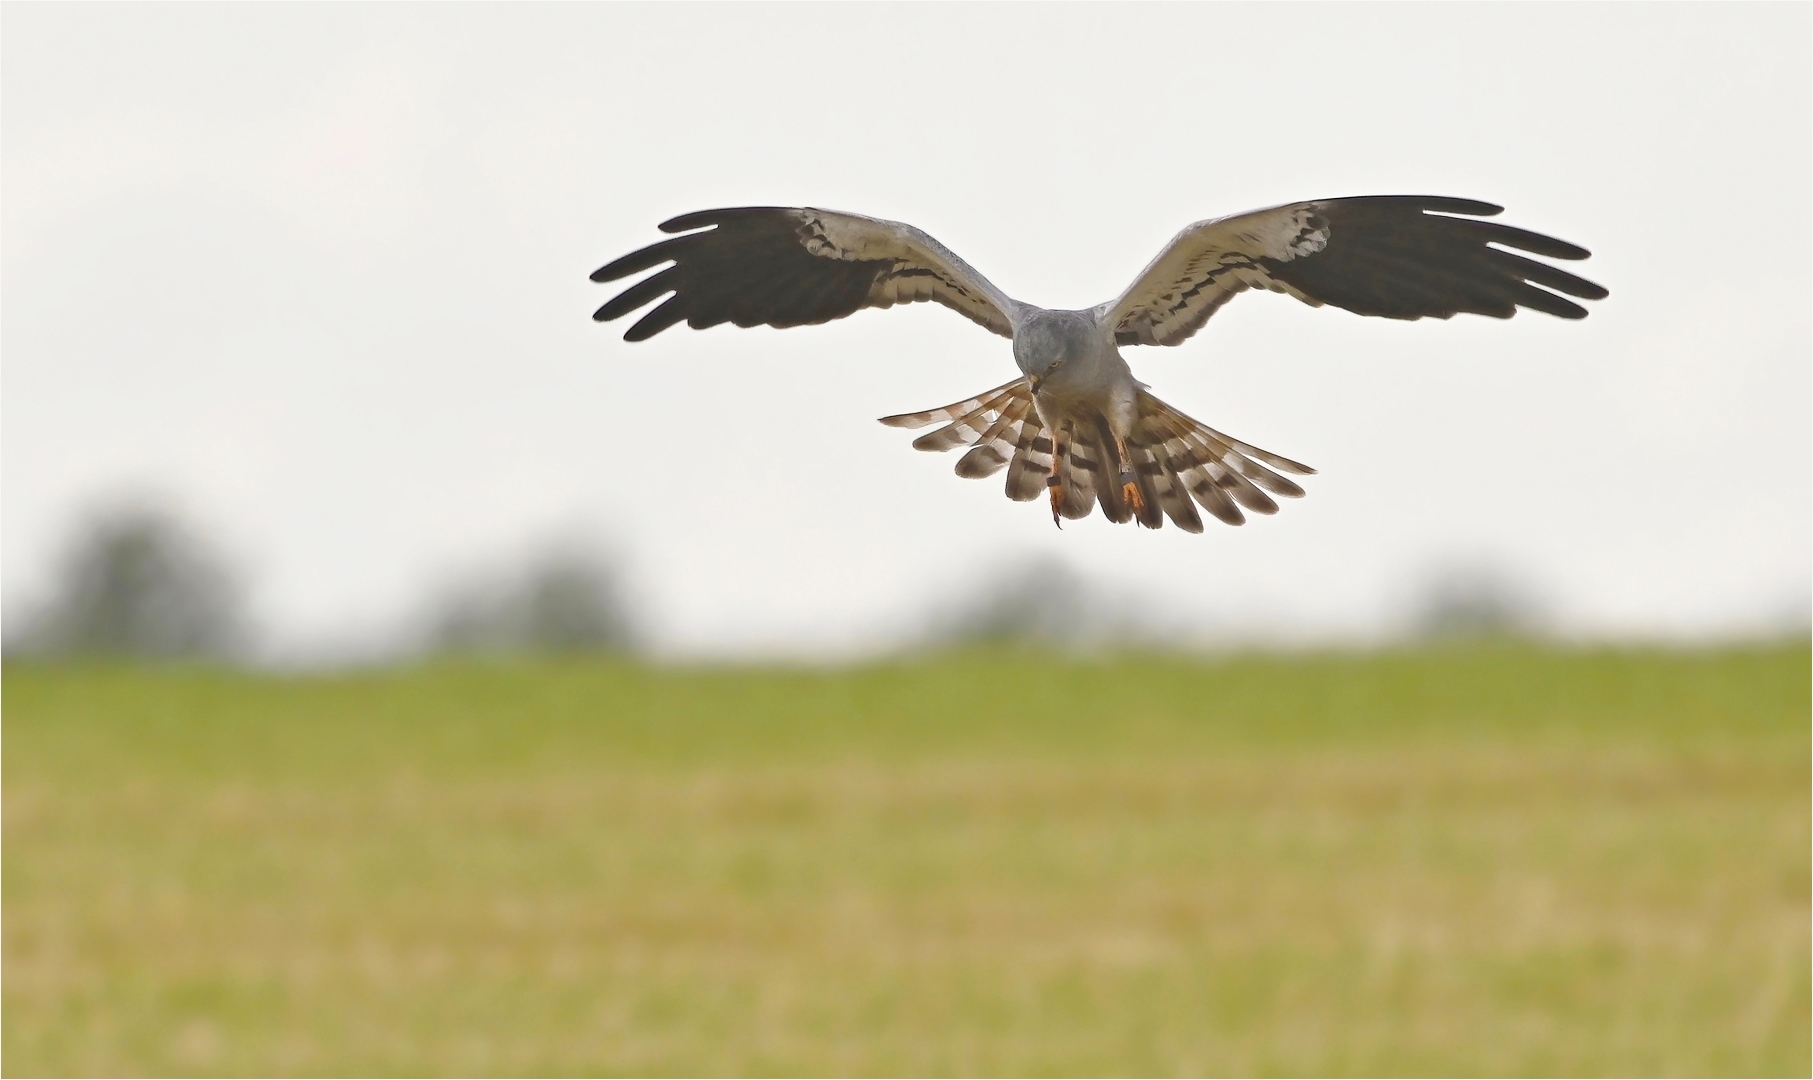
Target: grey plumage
1076	423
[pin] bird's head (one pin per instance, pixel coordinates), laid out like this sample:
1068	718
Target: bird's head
1046	340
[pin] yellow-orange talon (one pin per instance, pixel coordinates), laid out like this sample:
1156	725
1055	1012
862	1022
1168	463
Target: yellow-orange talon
1129	487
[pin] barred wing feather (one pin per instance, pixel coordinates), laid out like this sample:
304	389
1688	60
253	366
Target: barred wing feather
793	266
1398	256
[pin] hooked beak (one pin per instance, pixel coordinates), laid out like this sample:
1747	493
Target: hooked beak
1034	381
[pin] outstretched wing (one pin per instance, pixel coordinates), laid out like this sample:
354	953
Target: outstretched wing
1400	256
792	266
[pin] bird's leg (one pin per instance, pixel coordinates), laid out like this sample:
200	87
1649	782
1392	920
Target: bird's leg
1129	486
1054	484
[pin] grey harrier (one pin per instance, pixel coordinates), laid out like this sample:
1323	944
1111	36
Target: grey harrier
1077	423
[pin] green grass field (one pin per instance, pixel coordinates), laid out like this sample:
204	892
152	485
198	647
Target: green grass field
1495	860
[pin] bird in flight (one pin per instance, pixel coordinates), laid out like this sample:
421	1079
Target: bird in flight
1076	423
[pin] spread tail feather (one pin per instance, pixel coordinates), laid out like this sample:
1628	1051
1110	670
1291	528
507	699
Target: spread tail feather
1172	459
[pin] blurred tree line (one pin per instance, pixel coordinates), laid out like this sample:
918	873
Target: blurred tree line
1470	600
1042	601
137	582
563	601
1036	601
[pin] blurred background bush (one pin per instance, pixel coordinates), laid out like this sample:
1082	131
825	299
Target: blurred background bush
565	600
136	582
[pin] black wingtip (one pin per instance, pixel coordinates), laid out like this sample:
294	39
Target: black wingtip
1446	204
1561	249
1440	204
698	219
663	316
634	262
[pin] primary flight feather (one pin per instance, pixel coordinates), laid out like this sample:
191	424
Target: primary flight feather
1076	423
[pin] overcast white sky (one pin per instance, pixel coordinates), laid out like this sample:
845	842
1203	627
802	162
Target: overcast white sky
317	274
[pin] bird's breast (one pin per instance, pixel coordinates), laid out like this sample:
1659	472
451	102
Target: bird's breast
1085	388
